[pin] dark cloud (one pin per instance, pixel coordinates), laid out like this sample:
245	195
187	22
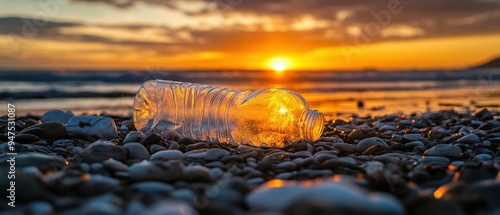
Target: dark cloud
432	18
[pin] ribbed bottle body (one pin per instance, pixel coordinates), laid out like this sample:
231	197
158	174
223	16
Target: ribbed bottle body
272	117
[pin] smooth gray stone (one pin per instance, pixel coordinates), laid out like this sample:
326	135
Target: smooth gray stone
167	155
26	138
171	208
57	116
100	151
99	184
156	171
368	142
445	150
468	139
136	151
415	137
196	173
372	167
115	165
133	136
484	157
428	159
335	195
215	154
287	166
93	126
152	188
39	208
151	139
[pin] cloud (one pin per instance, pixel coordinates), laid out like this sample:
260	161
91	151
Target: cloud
278	26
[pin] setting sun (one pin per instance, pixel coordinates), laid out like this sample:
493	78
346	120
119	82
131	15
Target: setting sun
279	64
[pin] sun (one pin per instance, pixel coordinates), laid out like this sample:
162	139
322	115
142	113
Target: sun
279	64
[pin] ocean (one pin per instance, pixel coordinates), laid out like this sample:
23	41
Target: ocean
334	93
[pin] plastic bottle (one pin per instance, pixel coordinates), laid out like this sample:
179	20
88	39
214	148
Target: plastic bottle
267	117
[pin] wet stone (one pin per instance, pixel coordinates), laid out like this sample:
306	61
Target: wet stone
32	130
167	155
468	139
173	146
152	188
186	141
196	173
115	165
136	151
445	150
156	171
214	154
360	134
200	145
377	150
414	137
345	147
368	142
156	148
232	158
99	153
133	136
287	166
324	157
26	138
429	159
412	145
57	116
151	139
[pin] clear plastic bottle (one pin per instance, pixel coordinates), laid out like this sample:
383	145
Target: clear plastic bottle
267	117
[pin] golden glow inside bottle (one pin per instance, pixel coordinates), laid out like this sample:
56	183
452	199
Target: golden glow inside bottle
267	117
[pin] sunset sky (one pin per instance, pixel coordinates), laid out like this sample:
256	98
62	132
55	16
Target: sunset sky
248	34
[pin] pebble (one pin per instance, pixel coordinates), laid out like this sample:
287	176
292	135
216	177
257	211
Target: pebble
445	150
360	134
133	136
320	158
156	171
337	197
373	167
196	173
368	142
151	139
287	166
152	188
200	145
136	151
49	130
215	154
92	126
429	159
156	148
97	153
450	154
414	137
56	116
167	155
377	150
347	148
26	138
411	145
115	165
468	139
171	208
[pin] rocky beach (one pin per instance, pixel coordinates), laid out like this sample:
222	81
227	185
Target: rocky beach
442	163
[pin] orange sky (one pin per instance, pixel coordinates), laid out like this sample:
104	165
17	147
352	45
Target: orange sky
245	34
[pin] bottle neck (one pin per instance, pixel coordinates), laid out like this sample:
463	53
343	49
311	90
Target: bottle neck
312	125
